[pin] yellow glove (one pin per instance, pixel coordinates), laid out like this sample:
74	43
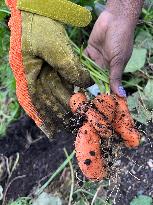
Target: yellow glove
42	59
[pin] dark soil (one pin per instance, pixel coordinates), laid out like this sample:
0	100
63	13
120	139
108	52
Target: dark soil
134	172
131	172
39	156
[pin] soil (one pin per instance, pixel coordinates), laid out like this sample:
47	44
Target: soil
39	156
134	171
131	170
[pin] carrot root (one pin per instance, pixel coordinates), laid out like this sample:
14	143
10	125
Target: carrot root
103	111
124	125
88	153
76	101
106	105
102	127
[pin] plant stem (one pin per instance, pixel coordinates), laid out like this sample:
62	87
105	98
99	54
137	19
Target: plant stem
72	177
97	74
5	11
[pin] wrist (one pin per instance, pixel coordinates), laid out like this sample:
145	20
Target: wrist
129	9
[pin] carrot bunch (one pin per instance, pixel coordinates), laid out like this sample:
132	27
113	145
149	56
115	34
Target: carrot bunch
102	115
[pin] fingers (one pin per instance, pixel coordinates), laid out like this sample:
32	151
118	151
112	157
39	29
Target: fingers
95	55
116	70
56	86
116	80
50	99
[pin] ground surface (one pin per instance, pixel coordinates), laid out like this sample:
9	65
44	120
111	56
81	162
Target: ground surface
131	171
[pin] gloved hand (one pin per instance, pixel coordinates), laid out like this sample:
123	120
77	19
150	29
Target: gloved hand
42	59
111	41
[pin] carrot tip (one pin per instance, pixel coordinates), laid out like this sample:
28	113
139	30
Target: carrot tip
76	101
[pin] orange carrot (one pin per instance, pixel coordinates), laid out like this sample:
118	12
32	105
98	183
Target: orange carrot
123	123
88	153
100	113
87	144
98	120
106	105
100	123
76	101
109	109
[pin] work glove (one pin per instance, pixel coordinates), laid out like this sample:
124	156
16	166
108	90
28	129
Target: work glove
42	59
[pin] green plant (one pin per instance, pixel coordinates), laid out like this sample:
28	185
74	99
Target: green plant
9	107
142	200
21	201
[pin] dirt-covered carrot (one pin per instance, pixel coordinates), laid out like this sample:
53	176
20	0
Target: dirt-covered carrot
100	121
106	105
106	110
100	113
76	101
124	125
87	144
88	153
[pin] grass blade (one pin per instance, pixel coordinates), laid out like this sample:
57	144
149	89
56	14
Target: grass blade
5	11
63	165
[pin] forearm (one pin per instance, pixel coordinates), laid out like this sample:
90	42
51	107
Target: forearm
131	9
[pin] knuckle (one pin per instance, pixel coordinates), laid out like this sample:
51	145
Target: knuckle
117	62
115	79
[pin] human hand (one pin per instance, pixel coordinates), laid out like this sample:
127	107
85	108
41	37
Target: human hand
110	45
43	61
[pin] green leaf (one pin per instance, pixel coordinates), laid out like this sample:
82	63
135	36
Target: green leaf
138	108
47	199
148	93
137	60
81	202
132	101
142	200
21	201
143	116
144	40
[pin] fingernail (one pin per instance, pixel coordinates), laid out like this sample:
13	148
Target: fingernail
121	90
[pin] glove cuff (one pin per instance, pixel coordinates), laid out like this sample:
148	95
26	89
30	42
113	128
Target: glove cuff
60	10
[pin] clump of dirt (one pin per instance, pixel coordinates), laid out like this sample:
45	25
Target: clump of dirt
130	172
